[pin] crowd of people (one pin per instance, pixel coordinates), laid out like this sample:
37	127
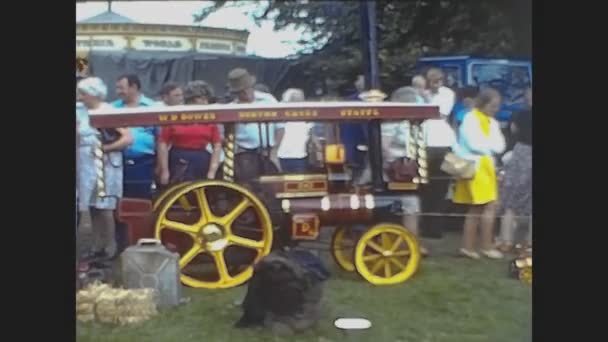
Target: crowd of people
136	159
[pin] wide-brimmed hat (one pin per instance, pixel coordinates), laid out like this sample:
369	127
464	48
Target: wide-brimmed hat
239	79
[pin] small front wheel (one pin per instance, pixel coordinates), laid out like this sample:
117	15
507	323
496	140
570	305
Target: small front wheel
342	247
387	254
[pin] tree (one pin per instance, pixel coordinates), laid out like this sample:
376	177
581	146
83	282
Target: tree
406	31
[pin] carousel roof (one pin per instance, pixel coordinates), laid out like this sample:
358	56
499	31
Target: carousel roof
108	17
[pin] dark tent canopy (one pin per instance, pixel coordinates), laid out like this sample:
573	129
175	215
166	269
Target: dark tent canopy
156	68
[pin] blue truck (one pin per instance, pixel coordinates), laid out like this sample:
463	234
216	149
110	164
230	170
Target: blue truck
510	77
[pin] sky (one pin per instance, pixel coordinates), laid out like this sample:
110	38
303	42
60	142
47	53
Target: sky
263	41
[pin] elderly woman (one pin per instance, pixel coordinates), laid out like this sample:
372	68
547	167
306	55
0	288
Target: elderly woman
480	140
183	150
92	93
395	138
293	149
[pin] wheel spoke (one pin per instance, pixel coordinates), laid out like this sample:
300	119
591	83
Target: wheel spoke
371	257
397	263
183	201
377	266
245	242
191	254
402	253
375	246
180	227
229	218
386	241
387	269
398	240
220	263
203	204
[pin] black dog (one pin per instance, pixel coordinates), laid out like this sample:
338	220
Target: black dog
285	292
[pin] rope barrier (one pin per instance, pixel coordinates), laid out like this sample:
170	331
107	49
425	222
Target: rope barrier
370	224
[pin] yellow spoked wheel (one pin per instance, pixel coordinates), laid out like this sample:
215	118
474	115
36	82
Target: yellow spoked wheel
342	247
525	274
219	245
387	254
183	202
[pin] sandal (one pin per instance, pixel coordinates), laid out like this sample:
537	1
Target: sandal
469	254
492	254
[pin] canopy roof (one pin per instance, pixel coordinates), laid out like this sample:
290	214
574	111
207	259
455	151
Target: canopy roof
108	17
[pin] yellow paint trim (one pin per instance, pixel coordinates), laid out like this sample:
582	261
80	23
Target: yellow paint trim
402	186
300	194
293	178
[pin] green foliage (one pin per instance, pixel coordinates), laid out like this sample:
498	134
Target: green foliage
406	31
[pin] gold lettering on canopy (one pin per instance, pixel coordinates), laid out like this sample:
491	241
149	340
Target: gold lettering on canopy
257	115
365	112
187	117
301	113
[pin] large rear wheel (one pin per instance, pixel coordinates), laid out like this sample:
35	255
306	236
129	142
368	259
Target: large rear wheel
219	241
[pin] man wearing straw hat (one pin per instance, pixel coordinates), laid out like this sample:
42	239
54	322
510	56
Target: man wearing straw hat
247	135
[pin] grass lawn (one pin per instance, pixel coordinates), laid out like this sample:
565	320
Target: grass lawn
449	299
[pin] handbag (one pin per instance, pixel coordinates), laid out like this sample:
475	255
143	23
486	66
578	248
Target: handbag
458	167
109	135
402	170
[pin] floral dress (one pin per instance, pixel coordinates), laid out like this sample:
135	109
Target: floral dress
87	177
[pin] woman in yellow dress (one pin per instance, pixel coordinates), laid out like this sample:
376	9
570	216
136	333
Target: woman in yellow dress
479	140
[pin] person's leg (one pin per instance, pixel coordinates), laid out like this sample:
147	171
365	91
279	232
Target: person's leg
488	219
434	194
410	221
469	234
205	158
137	183
507	230
103	223
301	165
92	250
129	176
138	177
290	165
285	165
147	174
98	234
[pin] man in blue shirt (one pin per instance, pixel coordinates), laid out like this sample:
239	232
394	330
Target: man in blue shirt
140	156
